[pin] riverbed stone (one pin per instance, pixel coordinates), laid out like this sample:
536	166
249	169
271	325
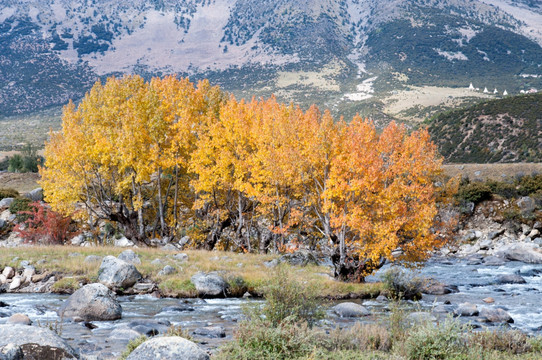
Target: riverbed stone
8	272
493	261
3	279
211	331
124	334
117	274
15	283
167	270
466	309
28	272
350	309
149	327
488	300
434	287
168	348
130	257
11	352
495	315
18	318
36	342
210	284
524	252
511	279
93	302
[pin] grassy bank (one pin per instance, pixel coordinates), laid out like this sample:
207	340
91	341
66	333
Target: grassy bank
243	271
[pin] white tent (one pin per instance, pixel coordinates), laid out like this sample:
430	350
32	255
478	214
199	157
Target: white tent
495	91
505	93
471	87
485	91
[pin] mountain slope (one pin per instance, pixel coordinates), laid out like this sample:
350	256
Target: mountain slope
506	130
306	51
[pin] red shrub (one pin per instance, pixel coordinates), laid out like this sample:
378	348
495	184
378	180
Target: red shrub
45	226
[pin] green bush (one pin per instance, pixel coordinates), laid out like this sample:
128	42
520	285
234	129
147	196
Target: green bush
530	184
21	205
8	193
504	189
287	298
474	192
441	341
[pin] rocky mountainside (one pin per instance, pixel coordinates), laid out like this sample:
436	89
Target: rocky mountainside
343	54
505	130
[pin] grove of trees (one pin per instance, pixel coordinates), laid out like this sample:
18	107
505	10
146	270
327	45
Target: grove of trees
167	158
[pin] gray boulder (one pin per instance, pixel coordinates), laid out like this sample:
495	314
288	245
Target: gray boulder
157	262
524	252
211	331
11	352
526	205
35	342
167	270
181	257
35	195
123	242
149	327
116	273
350	309
168	348
8	272
210	284
493	261
21	319
124	334
511	279
495	315
434	287
466	309
93	259
130	257
93	302
6	202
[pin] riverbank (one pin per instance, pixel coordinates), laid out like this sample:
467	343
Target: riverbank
73	267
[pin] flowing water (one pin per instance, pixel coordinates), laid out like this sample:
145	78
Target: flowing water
475	282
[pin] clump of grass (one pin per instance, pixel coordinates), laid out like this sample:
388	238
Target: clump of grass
402	284
8	193
178	331
509	341
361	337
66	285
132	345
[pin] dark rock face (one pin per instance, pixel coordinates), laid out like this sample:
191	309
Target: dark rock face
168	348
93	302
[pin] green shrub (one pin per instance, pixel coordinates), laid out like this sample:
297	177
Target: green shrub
442	341
287	298
529	184
132	345
20	205
504	189
360	337
8	193
402	284
474	192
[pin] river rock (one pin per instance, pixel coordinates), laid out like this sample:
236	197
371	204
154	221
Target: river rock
35	195
524	252
8	272
495	315
488	300
36	342
124	334
3	279
493	261
93	259
434	287
466	309
167	270
28	272
116	273
350	309
178	308
168	348
299	258
130	257
11	352
210	284
93	302
511	279
211	331
21	319
150	327
15	283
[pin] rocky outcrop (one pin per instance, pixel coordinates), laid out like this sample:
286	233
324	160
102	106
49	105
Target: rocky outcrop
90	303
168	348
117	274
35	342
524	252
210	284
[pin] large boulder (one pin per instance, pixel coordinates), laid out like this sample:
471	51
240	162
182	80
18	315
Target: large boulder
350	309
35	342
92	302
495	315
210	284
510	279
35	195
116	274
168	348
466	309
130	257
524	252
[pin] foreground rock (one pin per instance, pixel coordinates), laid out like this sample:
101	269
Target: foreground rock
350	309
35	342
168	348
115	273
90	303
210	284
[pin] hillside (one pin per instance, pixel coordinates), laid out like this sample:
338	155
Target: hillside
506	130
348	55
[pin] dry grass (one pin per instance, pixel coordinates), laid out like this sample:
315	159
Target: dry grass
492	171
239	269
21	182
